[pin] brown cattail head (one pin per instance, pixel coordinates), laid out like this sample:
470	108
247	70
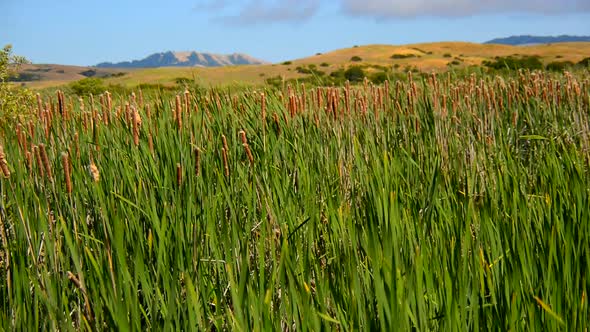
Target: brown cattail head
66	167
150	142
178	112
249	153
242	134
225	165
3	163
178	174
94	173
224	140
45	160
136	125
187	100
263	110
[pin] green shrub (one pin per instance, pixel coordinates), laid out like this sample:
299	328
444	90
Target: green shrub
324	64
356	58
559	65
286	63
447	55
13	99
584	63
87	86
379	77
354	74
403	56
513	63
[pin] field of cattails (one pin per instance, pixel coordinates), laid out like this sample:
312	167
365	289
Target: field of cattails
432	203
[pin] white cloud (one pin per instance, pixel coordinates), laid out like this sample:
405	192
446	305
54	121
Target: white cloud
252	12
450	8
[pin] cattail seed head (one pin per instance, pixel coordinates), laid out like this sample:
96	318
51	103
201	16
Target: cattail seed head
67	175
94	173
45	160
3	163
243	136
225	165
249	153
224	143
178	112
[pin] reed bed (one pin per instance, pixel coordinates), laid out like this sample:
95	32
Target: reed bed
436	203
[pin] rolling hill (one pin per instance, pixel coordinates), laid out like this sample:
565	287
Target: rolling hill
426	57
185	59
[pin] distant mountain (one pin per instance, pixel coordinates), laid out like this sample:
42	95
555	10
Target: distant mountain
531	40
185	59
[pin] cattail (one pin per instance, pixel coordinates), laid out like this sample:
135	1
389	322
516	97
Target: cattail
66	166
246	146
3	163
29	159
127	113
45	160
77	144
263	107
35	150
224	140
187	99
39	105
94	173
197	161
136	125
178	174
275	117
225	165
243	136
178	112
150	142
31	130
249	153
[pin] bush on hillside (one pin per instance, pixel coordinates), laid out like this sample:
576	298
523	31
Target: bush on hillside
559	65
354	74
13	99
513	63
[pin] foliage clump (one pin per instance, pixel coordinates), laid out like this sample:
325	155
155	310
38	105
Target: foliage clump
13	99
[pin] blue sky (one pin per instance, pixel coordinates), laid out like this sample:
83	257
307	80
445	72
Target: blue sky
86	32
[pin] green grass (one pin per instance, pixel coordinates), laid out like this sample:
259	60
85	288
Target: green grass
405	216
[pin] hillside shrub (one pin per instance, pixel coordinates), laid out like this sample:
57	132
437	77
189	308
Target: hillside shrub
13	99
584	63
354	74
356	58
559	65
514	63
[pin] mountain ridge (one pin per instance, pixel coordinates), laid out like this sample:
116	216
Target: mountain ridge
532	40
185	59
